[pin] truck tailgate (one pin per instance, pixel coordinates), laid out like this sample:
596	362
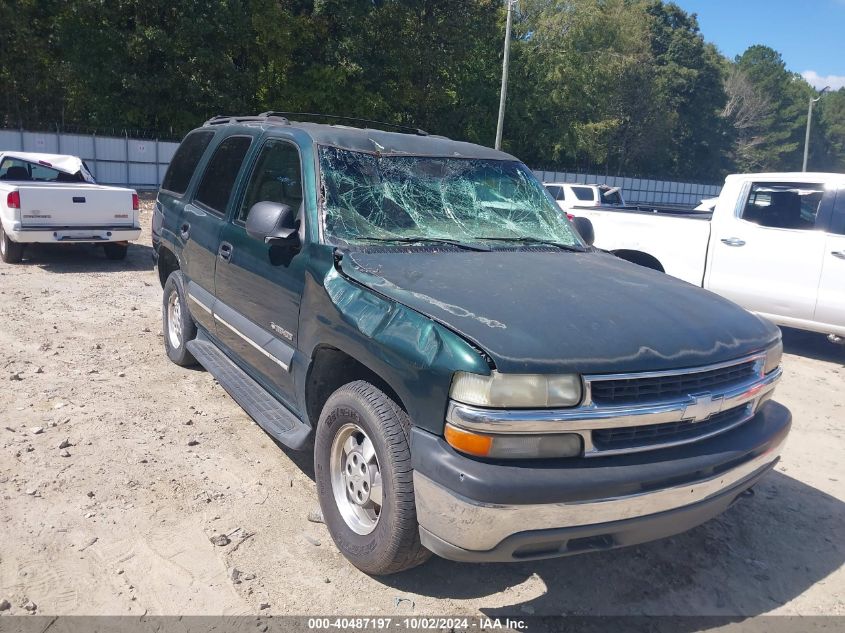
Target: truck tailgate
75	205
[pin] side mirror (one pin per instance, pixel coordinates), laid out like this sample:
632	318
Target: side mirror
272	222
585	228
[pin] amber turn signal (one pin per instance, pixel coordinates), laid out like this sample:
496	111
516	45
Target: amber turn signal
468	442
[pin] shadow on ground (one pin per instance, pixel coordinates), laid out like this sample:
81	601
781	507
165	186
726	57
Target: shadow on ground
85	258
762	553
812	345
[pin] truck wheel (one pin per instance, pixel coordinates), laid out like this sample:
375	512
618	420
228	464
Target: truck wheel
177	325
115	251
362	463
10	252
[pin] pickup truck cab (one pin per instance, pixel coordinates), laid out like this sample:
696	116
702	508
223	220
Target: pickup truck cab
774	244
53	199
570	195
473	378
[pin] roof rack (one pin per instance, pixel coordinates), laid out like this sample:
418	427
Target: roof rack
285	117
227	118
404	128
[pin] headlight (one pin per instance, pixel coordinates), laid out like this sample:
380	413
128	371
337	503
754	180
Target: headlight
507	446
773	357
516	390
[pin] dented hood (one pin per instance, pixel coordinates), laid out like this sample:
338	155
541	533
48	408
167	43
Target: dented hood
565	312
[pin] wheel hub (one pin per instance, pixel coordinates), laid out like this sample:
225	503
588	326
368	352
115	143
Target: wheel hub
356	478
174	320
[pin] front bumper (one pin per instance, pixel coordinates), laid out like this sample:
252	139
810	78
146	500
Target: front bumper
473	510
58	235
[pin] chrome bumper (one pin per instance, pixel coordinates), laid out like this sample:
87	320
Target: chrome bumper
50	235
464	529
589	416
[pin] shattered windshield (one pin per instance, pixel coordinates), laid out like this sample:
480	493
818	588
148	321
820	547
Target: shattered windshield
367	197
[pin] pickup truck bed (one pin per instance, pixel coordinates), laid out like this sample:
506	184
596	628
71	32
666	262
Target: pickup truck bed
635	234
774	244
34	209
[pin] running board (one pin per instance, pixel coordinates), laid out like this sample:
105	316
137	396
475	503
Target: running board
270	414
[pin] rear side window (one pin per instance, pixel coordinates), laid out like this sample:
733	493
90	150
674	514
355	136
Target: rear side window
583	193
185	161
221	172
611	197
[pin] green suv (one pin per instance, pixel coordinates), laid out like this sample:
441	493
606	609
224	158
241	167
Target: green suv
474	379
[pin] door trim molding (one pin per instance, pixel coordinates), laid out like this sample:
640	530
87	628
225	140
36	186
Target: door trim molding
248	340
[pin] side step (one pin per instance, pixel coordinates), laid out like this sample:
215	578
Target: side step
270	414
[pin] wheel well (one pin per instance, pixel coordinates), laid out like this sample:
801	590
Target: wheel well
331	369
641	259
167	263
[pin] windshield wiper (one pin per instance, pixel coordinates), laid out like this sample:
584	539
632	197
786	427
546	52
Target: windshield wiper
535	240
421	240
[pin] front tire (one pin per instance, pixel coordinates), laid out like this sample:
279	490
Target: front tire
362	463
10	252
177	325
115	251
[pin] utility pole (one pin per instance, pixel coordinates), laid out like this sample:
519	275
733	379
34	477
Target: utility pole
809	123
505	62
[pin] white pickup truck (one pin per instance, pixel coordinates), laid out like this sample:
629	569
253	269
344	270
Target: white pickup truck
774	244
52	198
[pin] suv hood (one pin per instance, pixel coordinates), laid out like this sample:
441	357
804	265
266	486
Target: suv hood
549	311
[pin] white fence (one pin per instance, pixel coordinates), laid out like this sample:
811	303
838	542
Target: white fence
137	163
642	190
141	163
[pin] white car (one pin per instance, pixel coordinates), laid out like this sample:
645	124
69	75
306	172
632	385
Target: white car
573	195
52	198
774	244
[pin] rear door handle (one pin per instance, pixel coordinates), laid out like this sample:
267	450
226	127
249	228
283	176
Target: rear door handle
185	231
733	241
839	254
225	251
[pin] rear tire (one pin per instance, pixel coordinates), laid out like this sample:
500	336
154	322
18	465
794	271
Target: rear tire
116	251
10	252
361	452
177	325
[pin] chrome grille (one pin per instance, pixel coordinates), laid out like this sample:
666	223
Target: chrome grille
629	413
627	391
633	437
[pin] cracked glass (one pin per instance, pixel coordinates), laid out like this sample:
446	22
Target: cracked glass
369	197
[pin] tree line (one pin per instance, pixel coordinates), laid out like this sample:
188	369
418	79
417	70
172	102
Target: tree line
620	86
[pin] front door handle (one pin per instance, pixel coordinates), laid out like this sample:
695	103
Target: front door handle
733	241
185	231
839	254
225	251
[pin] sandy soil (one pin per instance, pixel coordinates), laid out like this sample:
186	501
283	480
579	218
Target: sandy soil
120	520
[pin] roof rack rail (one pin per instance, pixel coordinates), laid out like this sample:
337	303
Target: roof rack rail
403	128
225	118
284	117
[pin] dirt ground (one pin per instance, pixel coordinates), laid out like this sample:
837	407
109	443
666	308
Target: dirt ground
118	467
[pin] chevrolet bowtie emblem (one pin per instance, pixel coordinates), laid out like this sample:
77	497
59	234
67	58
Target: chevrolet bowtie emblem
702	407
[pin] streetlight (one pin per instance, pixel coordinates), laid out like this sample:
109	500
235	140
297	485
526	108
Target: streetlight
505	61
809	122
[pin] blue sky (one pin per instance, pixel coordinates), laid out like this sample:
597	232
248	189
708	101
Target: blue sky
810	34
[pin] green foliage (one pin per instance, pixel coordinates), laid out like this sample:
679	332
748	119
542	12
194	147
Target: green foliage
627	86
